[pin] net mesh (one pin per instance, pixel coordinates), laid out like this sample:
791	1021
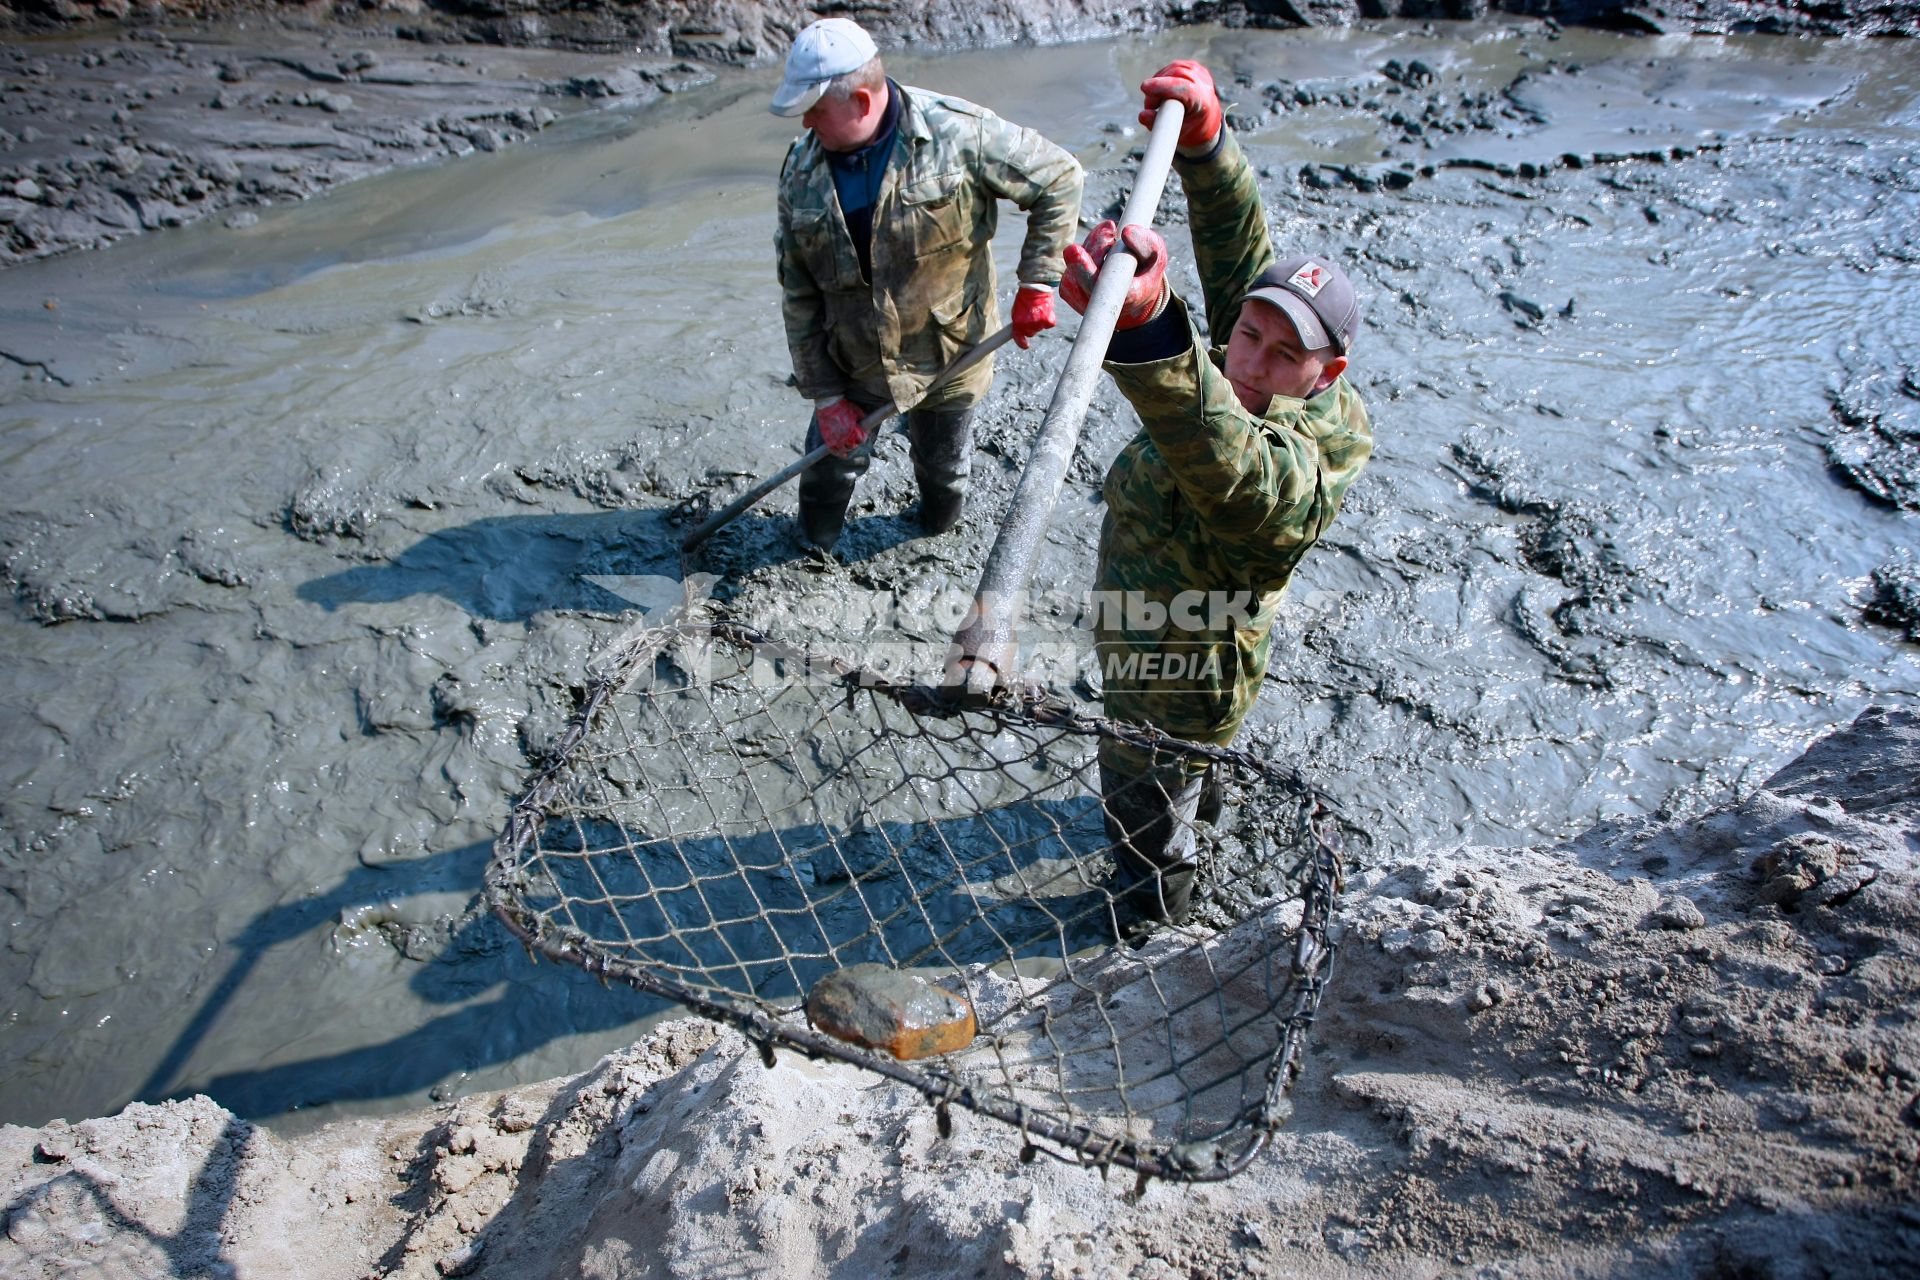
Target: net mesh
727	821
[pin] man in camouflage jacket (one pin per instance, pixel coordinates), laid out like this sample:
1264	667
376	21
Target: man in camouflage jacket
1248	445
888	205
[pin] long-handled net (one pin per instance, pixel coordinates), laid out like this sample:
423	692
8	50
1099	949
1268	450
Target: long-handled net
920	880
729	823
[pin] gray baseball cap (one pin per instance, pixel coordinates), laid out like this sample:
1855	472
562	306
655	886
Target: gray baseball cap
1316	296
824	49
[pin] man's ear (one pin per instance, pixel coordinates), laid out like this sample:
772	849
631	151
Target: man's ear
1330	371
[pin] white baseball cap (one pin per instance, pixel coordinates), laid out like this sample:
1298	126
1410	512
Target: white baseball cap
825	49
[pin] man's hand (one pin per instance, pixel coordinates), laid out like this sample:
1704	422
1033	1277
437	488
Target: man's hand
1146	293
1032	312
840	428
1191	85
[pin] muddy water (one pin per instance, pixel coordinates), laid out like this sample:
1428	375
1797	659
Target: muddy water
301	536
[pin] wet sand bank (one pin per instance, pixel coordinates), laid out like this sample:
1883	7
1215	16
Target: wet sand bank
163	126
114	121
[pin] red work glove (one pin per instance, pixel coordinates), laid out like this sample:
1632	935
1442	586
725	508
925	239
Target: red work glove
840	428
1032	312
1191	85
1145	295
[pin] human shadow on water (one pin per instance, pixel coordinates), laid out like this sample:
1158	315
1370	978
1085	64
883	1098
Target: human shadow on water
508	568
760	915
456	962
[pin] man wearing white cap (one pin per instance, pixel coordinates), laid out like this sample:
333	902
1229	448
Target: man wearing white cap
888	205
1250	437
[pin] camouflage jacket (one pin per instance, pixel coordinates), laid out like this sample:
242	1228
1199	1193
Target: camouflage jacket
1210	507
932	292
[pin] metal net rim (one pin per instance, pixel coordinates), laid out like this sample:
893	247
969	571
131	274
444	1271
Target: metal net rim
1061	1139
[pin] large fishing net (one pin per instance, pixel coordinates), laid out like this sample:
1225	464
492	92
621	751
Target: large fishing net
857	867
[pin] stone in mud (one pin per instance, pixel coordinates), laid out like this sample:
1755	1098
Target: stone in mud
1896	596
623	83
1810	869
1677	914
876	1007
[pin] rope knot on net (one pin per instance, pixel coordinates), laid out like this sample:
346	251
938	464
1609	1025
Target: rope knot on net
859	867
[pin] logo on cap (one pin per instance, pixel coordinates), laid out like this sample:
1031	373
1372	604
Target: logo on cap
1310	279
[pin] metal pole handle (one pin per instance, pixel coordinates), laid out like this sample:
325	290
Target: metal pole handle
985	646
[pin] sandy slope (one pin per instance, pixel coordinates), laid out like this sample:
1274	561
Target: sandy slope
1669	1049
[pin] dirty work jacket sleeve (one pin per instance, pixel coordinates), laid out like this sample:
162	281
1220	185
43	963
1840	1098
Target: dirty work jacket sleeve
1042	180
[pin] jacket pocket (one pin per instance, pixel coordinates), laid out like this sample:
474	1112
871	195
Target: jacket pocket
816	242
851	348
952	320
935	212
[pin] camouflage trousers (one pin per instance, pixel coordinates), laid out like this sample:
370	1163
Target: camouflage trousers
1150	805
941	444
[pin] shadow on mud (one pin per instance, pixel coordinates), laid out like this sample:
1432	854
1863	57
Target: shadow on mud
763	917
508	568
195	1240
457	960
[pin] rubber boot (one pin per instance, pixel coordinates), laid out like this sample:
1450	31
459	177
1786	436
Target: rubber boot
1158	895
821	523
941	441
1213	799
1149	821
940	507
826	489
